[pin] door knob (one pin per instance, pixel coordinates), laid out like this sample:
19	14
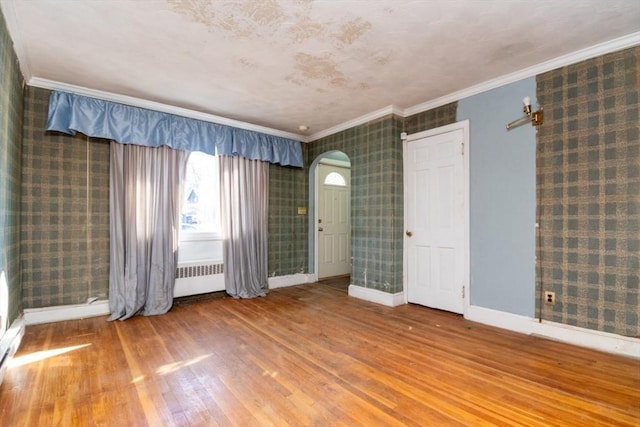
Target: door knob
408	233
320	229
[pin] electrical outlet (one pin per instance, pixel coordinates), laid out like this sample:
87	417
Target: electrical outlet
549	297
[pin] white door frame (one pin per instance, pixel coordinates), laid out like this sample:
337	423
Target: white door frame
313	203
319	184
464	126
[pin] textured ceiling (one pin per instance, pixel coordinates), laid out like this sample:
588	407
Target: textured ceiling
283	63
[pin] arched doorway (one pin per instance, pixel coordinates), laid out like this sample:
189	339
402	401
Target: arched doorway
330	215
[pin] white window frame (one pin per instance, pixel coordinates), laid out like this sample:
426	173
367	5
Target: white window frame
333	184
198	236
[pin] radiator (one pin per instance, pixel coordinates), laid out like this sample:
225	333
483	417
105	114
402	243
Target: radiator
199	279
199	270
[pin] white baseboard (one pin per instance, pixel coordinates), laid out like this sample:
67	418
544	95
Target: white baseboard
596	340
198	285
379	297
500	319
291	280
184	286
9	343
33	316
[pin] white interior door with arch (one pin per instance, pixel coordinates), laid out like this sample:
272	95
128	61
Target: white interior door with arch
333	220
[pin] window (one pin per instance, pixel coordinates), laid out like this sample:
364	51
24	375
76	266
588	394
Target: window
200	216
334	178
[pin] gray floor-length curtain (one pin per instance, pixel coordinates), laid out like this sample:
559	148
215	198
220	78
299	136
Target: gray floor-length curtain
145	190
244	198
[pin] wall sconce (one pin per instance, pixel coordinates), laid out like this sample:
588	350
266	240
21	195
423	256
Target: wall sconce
536	117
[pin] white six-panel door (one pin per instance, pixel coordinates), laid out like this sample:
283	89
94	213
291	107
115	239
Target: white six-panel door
435	221
334	222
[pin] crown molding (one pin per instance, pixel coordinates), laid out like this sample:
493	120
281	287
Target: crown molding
624	42
620	43
11	19
614	45
388	110
158	106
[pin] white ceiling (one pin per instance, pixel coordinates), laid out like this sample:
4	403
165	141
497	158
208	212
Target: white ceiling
284	63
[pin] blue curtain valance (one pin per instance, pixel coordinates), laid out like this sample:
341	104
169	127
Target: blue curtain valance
70	113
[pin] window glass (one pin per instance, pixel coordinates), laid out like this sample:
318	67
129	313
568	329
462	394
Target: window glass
200	205
334	178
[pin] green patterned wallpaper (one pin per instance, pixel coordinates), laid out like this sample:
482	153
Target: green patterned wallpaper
431	119
65	212
375	151
589	193
11	104
288	245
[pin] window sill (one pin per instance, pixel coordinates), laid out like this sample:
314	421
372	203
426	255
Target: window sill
199	237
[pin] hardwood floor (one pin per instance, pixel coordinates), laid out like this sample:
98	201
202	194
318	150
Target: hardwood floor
309	355
337	282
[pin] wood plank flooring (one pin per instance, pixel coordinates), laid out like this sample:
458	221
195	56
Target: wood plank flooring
309	355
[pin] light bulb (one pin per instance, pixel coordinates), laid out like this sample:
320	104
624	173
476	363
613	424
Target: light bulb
526	100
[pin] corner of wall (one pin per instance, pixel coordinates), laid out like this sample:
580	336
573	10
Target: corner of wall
11	116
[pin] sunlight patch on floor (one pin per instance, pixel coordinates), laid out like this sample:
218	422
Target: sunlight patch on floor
172	367
137	379
271	374
42	355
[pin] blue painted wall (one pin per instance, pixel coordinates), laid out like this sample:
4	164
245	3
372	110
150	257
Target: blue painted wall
502	199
